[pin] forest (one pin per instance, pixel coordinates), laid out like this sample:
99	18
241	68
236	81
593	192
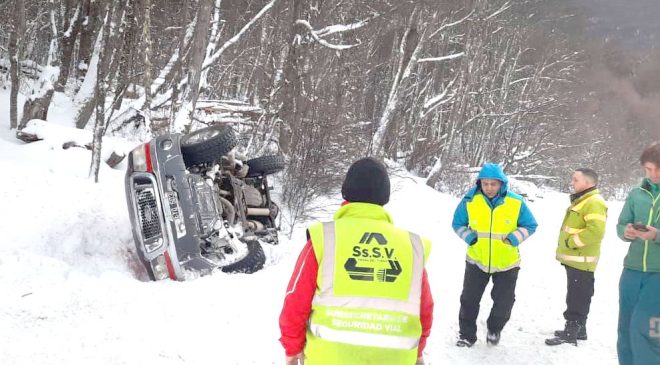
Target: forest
439	87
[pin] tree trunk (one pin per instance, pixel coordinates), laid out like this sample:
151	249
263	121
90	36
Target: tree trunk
198	52
409	49
126	55
71	28
147	47
100	88
103	57
14	41
90	11
177	73
291	80
36	107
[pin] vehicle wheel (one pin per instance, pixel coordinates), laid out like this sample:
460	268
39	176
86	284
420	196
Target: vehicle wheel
207	144
265	165
252	262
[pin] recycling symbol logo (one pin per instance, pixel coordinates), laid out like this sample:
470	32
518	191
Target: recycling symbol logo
372	260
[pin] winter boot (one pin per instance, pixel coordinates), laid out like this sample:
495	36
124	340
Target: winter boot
568	335
493	338
465	342
581	336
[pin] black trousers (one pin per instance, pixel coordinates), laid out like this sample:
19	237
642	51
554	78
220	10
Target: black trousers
503	294
580	289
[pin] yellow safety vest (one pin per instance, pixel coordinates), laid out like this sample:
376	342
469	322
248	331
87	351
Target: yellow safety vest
366	306
492	226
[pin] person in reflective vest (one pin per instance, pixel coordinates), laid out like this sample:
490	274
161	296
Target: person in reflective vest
359	293
493	221
639	288
578	250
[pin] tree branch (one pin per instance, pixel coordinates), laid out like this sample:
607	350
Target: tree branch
449	25
442	58
321	41
216	55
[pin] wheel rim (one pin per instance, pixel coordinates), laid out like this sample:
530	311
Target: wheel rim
201	136
240	251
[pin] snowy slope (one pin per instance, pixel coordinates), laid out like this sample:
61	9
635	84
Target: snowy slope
72	292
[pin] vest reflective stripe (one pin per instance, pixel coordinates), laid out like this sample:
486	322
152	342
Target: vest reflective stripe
578	241
328	265
590	217
326	297
571	230
492	269
364	339
491	235
589	259
367	303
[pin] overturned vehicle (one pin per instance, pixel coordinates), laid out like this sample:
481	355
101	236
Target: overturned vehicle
197	205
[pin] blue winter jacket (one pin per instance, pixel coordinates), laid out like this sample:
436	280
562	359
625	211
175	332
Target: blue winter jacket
492	171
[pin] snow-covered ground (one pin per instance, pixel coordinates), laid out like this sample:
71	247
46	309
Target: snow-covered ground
72	293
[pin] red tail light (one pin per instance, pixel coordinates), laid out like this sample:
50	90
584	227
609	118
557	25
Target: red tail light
170	267
142	158
147	155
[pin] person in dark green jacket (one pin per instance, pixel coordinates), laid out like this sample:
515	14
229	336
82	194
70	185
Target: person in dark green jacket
578	250
639	289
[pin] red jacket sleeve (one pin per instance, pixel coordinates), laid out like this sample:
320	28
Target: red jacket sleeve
298	301
425	313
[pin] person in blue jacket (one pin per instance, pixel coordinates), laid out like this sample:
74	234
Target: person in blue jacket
493	221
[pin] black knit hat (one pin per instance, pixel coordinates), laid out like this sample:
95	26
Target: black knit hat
367	182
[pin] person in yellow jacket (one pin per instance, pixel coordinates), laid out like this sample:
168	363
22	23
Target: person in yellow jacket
578	250
359	293
493	221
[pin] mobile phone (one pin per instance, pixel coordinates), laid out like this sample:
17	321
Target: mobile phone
640	227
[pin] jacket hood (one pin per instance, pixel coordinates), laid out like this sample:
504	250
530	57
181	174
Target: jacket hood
490	171
495	172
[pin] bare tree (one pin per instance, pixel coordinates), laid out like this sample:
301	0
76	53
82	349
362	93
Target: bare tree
106	52
91	13
73	20
14	52
104	55
37	104
147	46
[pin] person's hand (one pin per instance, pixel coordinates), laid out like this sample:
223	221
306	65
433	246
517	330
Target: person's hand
298	359
420	361
649	235
630	233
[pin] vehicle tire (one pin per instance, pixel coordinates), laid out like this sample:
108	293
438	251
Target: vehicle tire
251	263
207	144
265	165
